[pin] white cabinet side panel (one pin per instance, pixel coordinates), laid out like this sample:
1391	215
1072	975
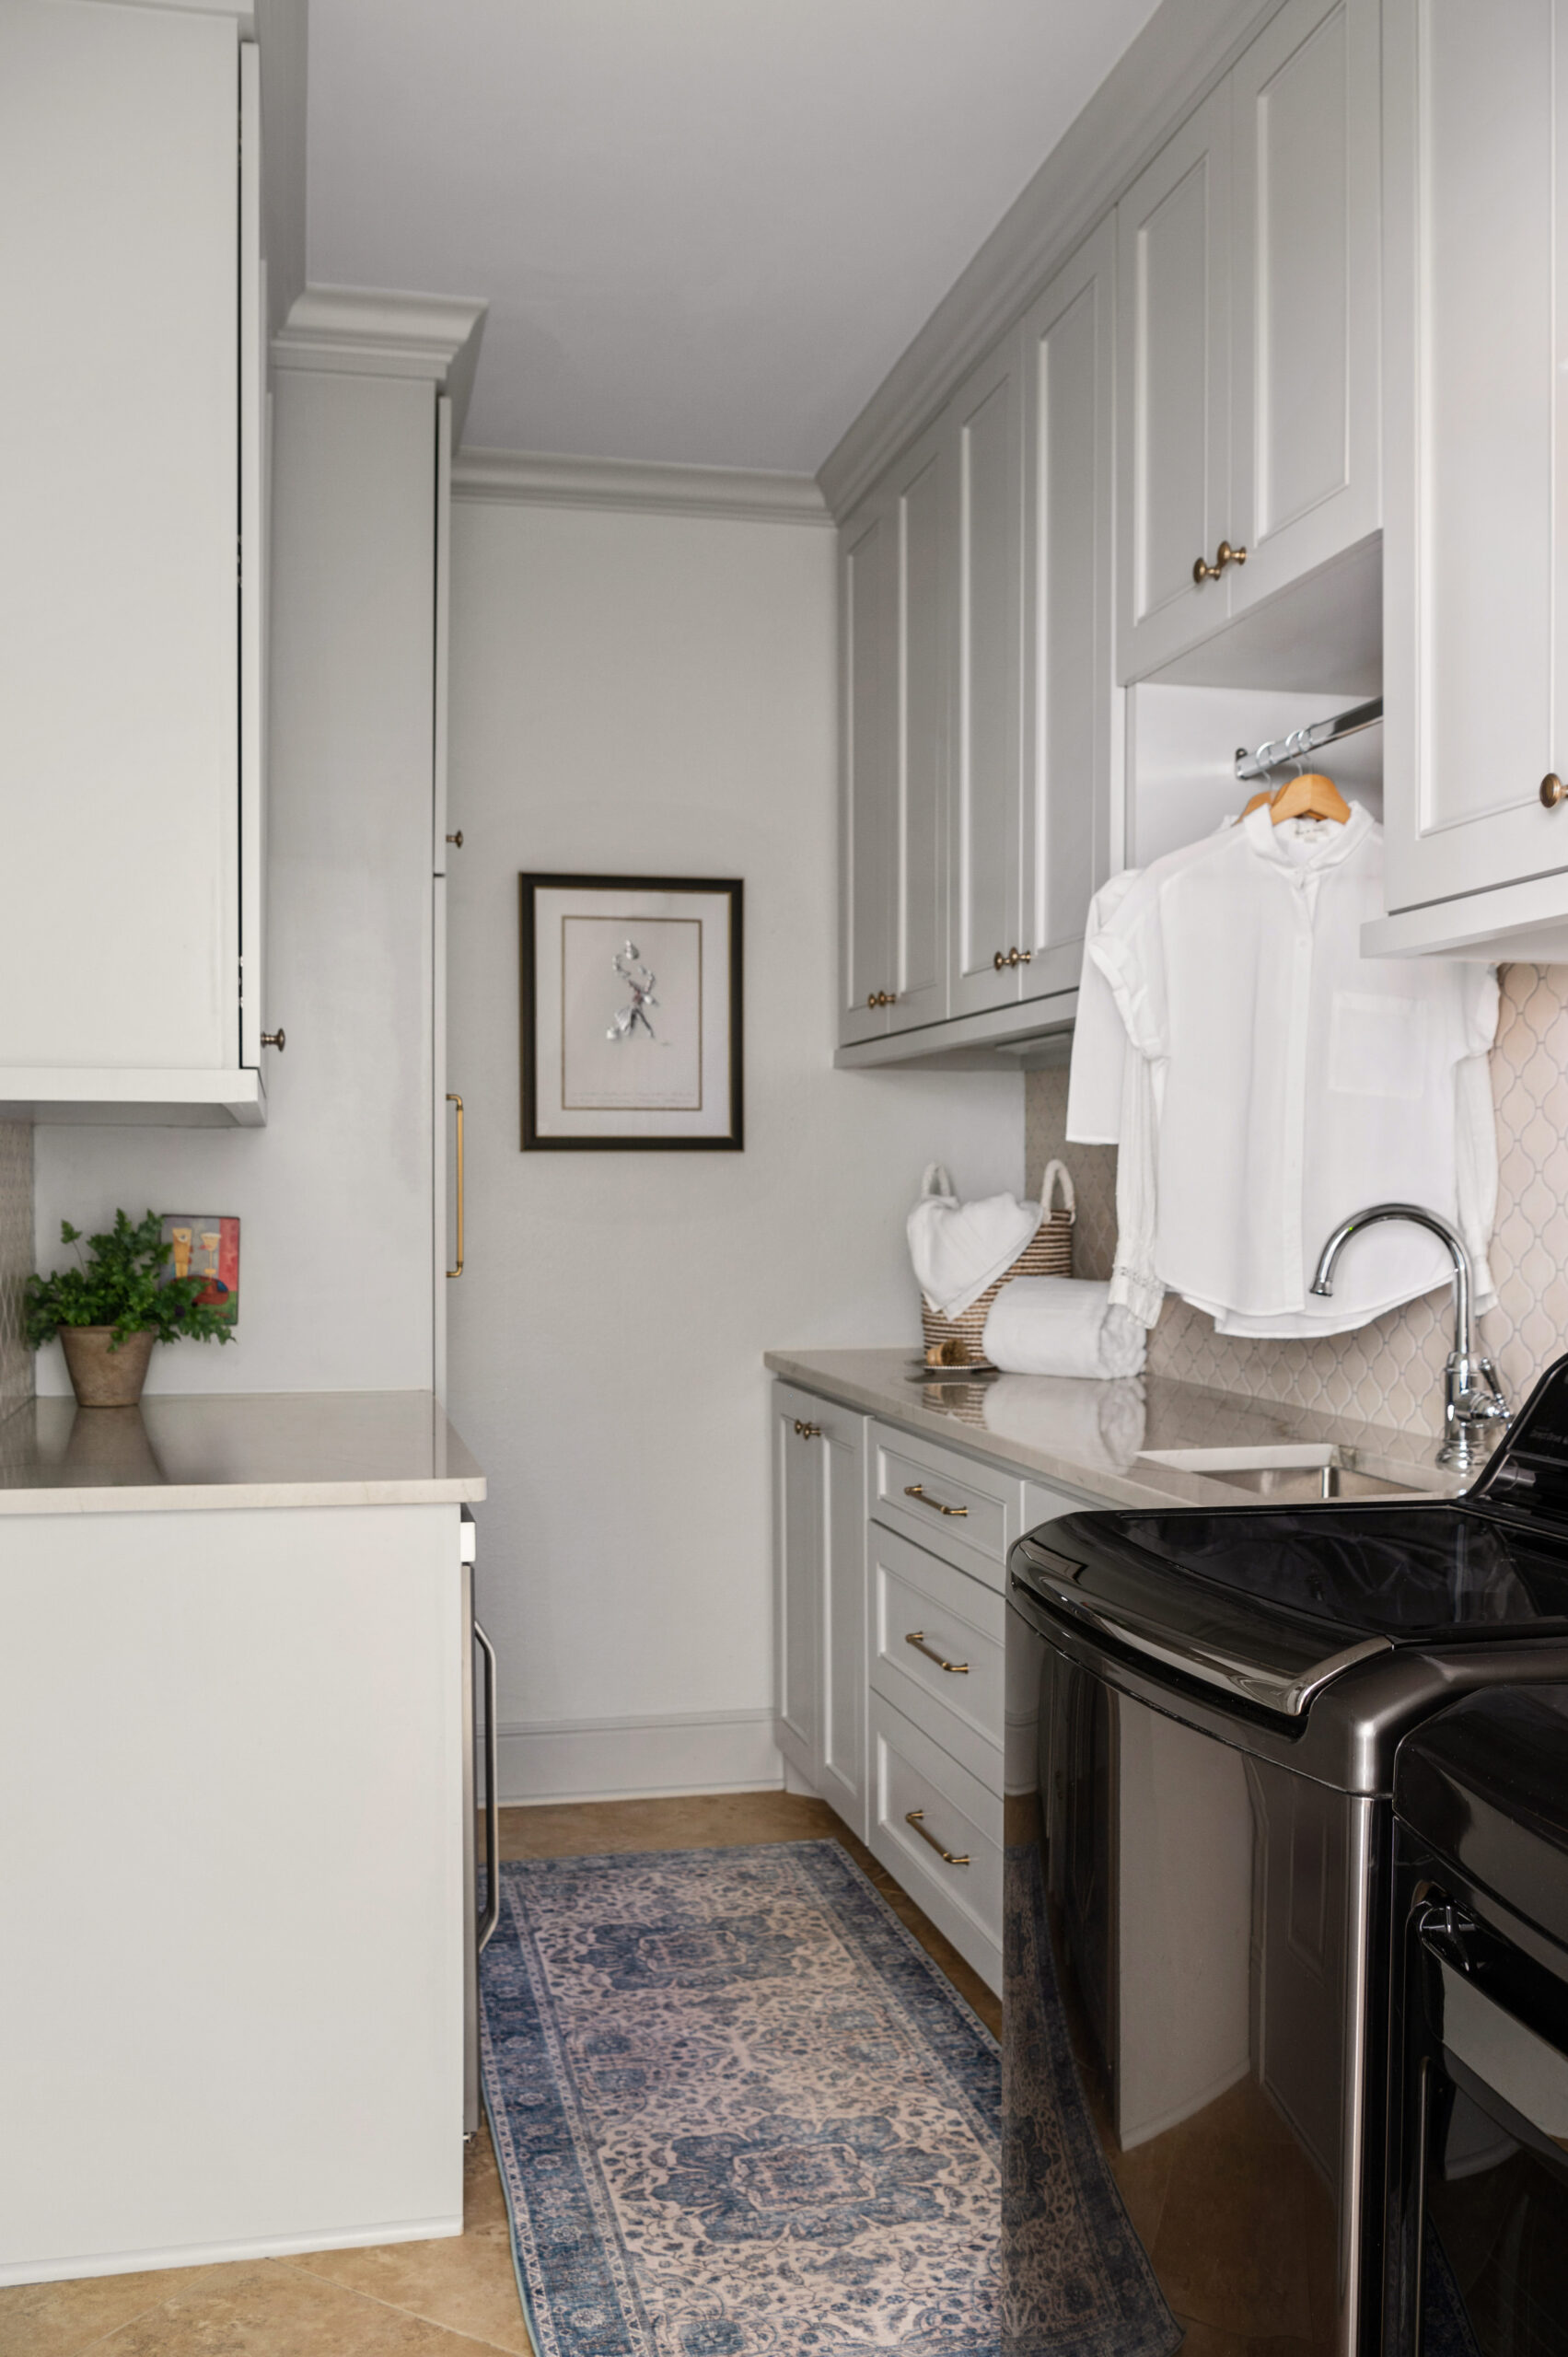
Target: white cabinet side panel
232	1855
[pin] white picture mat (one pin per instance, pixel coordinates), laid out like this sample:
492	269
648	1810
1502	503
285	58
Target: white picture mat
553	906
653	1062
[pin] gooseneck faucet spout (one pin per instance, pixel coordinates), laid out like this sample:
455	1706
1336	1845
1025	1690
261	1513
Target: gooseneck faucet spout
1470	1394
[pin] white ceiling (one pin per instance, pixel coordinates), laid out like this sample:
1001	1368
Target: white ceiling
706	229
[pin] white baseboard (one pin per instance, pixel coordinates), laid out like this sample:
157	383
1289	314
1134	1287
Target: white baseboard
638	1758
133	2263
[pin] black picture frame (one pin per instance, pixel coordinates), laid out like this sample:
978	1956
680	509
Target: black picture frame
533	930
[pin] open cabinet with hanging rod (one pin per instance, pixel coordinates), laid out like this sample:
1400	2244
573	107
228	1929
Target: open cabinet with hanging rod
1280	752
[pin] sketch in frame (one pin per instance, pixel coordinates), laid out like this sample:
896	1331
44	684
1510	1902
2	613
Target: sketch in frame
631	999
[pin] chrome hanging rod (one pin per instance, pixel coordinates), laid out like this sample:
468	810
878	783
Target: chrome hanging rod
1280	752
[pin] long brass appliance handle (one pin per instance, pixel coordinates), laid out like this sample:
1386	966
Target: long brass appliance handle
457	1101
917	1490
916	1637
916	1816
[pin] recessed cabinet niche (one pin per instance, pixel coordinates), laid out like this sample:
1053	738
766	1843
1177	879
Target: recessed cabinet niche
131	708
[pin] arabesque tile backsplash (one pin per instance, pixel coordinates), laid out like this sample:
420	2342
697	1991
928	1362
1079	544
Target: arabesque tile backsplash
1392	1371
15	1261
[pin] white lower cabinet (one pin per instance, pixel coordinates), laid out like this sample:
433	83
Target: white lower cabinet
908	1695
820	1556
938	1831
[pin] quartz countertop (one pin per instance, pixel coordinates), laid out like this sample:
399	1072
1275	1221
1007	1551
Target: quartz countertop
1094	1436
273	1448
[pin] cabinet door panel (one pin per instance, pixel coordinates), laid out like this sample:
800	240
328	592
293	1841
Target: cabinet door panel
798	1547
1305	379
1477	503
1173	230
1069	345
869	832
842	1469
924	651
986	421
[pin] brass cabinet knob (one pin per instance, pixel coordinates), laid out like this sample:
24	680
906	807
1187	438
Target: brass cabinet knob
1552	789
457	838
1224	554
1000	959
808	1432
1013	957
881	998
278	1040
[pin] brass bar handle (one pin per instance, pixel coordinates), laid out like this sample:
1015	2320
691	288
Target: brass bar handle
1224	554
808	1432
916	1637
916	1816
458	1103
917	1490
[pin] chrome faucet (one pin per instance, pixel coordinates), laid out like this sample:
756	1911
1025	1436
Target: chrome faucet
1470	1394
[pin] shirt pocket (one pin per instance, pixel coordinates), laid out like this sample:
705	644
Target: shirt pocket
1378	1046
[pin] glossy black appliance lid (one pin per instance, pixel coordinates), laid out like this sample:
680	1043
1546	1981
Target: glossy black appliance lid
1414	1574
1485	1784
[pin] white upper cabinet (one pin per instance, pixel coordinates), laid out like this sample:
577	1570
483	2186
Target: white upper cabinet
1476	335
1249	346
1304	401
923	680
1071	705
1173	269
868	849
986	501
131	440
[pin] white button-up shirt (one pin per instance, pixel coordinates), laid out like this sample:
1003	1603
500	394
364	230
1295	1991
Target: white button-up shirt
1281	1081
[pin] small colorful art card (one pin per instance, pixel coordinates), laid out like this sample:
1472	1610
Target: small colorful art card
205	1244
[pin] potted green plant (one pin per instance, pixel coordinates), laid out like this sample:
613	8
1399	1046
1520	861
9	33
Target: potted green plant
111	1308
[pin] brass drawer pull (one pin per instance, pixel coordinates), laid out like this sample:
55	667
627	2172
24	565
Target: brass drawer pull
808	1432
1551	789
917	1490
916	1816
916	1637
1224	554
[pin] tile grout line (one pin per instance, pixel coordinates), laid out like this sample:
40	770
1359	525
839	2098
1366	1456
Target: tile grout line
81	2347
300	2264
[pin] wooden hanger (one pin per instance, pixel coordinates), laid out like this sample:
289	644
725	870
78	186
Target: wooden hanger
1312	796
1256	804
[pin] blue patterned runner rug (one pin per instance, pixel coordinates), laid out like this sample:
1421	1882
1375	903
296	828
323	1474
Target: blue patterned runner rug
738	2111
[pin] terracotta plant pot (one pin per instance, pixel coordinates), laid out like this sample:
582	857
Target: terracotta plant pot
101	1377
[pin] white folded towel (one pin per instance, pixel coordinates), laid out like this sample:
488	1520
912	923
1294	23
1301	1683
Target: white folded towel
959	1248
1096	1425
1063	1326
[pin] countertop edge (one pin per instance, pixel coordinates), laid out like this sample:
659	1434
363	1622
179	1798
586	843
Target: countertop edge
238	1497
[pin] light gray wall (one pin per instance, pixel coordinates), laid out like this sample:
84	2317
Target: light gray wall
648	694
15	1261
334	1194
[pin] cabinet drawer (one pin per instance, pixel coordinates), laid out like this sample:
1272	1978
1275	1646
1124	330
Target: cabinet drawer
937	1651
954	1813
966	1513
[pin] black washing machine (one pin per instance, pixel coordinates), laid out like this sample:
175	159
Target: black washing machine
1203	1946
1480	1831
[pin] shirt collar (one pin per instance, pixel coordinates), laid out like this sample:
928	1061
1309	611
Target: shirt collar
1334	843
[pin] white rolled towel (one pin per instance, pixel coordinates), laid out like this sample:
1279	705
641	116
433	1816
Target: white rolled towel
1063	1326
959	1248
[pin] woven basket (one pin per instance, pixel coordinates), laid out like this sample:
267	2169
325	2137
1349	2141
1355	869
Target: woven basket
958	1342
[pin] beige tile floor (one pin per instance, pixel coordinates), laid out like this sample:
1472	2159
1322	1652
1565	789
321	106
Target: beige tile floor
439	2299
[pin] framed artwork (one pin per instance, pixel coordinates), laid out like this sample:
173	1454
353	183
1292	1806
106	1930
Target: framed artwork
632	1012
205	1244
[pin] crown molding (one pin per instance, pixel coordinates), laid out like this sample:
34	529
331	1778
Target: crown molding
365	332
1183	51
524	478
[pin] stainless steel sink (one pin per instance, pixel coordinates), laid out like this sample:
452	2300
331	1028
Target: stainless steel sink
1294	1472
